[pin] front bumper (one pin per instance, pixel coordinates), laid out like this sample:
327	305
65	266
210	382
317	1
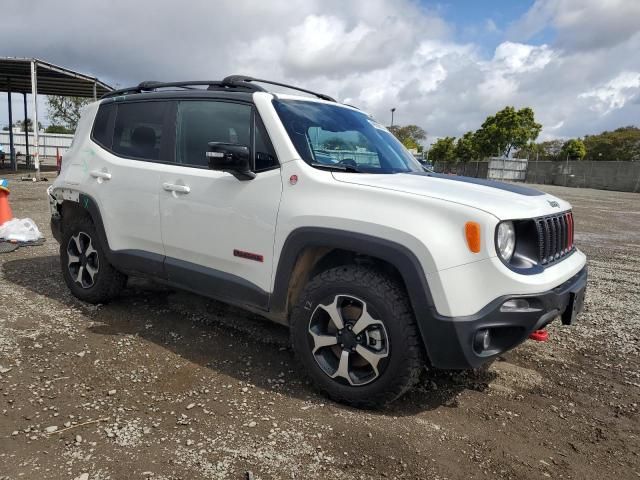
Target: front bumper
452	342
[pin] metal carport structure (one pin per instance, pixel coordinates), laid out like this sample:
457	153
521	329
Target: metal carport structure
34	76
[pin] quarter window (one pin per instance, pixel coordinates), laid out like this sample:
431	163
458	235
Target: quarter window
102	134
138	129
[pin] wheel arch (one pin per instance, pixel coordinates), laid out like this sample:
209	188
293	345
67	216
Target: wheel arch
85	206
309	250
126	261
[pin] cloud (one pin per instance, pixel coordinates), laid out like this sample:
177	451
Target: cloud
581	24
490	26
374	54
615	93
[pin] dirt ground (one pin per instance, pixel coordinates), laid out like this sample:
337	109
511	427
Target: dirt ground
165	385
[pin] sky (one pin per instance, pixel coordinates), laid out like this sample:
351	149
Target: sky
443	65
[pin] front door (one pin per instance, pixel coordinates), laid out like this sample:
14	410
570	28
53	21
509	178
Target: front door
218	231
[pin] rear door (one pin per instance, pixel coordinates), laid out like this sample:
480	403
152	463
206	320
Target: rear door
218	231
121	168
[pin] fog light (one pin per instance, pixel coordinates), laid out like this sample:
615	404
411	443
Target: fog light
515	305
482	340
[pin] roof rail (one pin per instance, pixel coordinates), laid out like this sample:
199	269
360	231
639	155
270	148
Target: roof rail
150	85
230	83
244	79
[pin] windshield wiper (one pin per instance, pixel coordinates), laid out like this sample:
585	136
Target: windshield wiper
336	167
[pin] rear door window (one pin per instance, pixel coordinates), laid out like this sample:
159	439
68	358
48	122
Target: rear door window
139	130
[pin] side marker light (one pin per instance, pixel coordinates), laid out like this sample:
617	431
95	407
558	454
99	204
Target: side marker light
472	233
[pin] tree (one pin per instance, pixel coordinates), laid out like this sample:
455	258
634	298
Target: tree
57	129
466	148
506	130
573	149
443	150
548	150
409	135
65	110
621	144
26	125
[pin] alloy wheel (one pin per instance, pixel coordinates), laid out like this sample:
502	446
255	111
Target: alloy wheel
83	262
348	344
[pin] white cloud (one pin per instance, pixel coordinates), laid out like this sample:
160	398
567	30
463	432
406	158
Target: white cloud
372	53
581	24
615	93
510	62
519	58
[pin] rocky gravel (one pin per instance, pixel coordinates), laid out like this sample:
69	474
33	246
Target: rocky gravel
161	384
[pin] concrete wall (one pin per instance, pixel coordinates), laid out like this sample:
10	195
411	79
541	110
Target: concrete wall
510	169
619	176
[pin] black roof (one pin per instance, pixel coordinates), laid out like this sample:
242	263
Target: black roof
240	86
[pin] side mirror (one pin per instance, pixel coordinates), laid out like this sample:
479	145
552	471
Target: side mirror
232	158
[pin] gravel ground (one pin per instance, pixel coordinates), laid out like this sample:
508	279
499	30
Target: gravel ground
165	385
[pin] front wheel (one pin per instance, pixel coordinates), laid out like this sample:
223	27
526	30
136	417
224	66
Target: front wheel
355	333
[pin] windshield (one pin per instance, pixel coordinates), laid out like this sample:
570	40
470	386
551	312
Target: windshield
334	137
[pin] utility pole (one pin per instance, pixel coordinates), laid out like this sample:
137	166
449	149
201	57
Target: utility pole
12	153
26	130
34	95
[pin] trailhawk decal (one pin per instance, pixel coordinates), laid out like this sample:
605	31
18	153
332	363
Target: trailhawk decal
248	255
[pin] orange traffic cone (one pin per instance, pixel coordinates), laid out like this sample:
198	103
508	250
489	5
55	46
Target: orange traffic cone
5	208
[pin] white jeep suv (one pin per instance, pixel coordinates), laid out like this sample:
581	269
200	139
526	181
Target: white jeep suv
312	214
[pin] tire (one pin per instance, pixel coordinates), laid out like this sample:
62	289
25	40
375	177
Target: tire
99	282
392	336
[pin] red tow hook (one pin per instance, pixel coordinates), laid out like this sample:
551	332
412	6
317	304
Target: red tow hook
540	336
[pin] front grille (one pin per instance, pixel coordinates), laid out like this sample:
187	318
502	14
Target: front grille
555	237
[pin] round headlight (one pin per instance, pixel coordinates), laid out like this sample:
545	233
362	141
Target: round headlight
506	240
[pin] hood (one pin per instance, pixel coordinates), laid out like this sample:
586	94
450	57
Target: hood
506	201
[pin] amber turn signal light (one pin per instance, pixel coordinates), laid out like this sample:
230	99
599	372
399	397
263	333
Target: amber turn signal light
472	232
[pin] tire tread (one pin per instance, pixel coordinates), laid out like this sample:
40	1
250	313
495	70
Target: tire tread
396	298
110	281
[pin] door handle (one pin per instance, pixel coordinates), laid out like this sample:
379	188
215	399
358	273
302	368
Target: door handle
100	175
172	187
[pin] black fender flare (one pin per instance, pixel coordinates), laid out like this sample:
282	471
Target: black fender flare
398	255
85	205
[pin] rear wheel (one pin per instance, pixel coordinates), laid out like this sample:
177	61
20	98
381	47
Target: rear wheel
85	268
354	331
